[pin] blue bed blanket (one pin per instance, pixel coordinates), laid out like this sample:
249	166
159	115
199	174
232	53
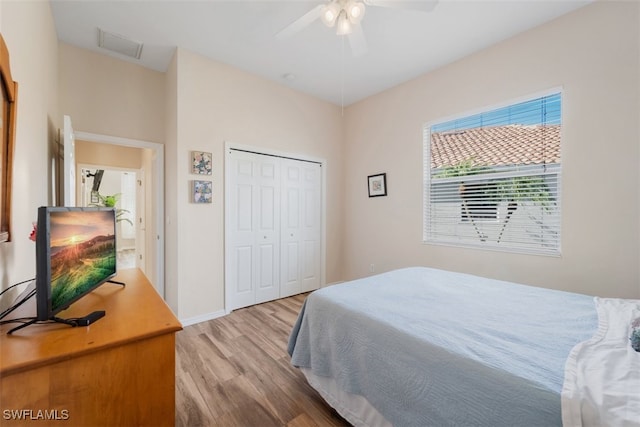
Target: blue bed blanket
429	347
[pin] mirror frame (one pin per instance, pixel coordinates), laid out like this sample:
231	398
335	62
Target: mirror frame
9	93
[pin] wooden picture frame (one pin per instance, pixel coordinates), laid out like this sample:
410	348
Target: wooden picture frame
377	185
202	191
8	109
201	162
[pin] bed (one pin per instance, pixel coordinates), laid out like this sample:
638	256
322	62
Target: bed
426	347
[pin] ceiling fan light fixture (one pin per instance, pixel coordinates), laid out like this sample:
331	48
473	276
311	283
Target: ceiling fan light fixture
355	11
330	14
344	25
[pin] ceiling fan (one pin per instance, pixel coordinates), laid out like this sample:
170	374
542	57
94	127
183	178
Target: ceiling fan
346	15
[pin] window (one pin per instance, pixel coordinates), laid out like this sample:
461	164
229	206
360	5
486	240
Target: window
492	179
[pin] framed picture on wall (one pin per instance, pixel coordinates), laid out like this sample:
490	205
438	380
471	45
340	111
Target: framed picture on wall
202	191
377	185
201	163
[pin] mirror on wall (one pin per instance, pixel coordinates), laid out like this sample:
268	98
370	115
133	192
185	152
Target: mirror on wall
8	89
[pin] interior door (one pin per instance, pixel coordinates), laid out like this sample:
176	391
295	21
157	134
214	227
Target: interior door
267	226
69	161
311	226
291	218
301	230
253	233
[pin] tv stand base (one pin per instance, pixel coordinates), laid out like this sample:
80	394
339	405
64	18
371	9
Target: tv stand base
90	318
80	321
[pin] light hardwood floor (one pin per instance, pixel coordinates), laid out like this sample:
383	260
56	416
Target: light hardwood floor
235	371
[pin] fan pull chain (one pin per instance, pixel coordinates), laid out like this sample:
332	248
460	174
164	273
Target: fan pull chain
342	78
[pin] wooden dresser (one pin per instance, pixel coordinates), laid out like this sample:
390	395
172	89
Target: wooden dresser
118	371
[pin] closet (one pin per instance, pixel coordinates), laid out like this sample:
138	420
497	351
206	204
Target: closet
273	227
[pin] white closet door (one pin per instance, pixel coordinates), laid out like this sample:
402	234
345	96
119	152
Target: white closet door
311	227
254	229
301	231
267	220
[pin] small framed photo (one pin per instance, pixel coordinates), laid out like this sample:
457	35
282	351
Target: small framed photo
377	185
202	191
201	163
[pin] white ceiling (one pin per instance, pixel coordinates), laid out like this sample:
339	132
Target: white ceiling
402	44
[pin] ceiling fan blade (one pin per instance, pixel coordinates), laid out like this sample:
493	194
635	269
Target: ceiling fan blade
300	23
421	5
357	41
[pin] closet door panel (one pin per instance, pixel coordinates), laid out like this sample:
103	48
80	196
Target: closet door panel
292	249
241	231
243	208
301	213
243	272
290	216
311	230
267	236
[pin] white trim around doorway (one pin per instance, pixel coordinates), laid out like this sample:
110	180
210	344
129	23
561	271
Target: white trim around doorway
158	165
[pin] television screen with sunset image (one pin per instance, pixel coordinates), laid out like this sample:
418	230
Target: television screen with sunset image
82	253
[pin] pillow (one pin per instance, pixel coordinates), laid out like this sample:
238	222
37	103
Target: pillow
635	334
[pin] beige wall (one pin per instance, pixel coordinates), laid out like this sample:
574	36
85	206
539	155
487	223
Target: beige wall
95	153
218	103
600	75
28	30
106	96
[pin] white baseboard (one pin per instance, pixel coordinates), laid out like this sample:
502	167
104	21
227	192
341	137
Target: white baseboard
202	318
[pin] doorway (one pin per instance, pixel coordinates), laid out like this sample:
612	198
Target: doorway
150	211
125	187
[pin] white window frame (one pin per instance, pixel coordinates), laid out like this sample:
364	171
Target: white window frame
552	172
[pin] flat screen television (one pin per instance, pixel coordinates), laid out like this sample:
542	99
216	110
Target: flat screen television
75	253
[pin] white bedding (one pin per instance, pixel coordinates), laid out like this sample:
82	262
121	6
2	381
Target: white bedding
426	347
602	375
353	407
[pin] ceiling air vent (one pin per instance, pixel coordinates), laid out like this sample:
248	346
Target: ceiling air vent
119	44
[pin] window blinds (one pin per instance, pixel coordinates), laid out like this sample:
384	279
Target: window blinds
492	179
